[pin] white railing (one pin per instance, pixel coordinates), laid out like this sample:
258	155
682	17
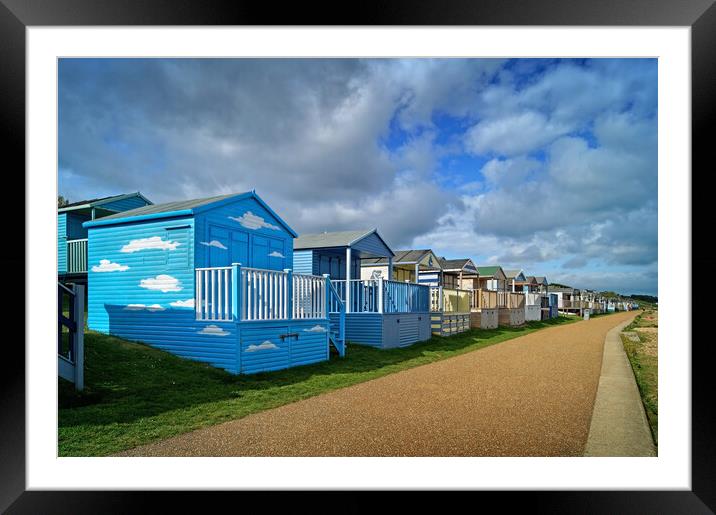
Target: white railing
449	300
309	296
264	294
230	293
213	294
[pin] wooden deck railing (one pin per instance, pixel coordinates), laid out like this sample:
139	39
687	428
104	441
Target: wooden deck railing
448	300
229	293
382	296
77	256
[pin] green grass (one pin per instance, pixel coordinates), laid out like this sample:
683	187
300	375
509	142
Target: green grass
136	394
643	356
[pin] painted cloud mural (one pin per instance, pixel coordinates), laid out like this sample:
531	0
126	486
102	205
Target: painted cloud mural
105	265
189	303
252	221
213	243
154	242
141	307
162	282
316	329
213	330
265	345
276	254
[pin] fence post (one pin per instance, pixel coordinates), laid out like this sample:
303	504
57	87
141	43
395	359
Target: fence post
79	341
327	296
236	291
441	307
381	298
289	293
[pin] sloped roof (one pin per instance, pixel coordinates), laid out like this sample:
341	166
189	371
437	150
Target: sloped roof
458	264
334	239
488	271
181	208
541	279
510	274
402	257
167	207
100	200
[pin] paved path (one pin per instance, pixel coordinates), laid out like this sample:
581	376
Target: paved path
530	396
619	425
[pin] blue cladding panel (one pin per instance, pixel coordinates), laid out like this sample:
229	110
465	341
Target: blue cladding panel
334	264
374	245
125	204
303	261
363	328
75	231
61	243
262	348
153	319
247	232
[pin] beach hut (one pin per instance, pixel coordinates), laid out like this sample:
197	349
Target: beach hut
72	236
496	293
384	305
450	300
209	280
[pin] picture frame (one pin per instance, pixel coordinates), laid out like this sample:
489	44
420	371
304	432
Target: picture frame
700	15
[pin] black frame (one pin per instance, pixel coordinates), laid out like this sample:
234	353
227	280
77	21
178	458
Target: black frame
700	15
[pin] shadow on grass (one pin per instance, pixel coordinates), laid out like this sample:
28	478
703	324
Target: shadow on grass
127	381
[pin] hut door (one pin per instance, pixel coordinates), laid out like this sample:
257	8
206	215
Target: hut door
218	246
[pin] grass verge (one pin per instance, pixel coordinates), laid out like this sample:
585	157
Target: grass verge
644	359
136	394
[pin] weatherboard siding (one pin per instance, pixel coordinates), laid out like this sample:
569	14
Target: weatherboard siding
372	244
269	246
261	348
61	243
157	323
303	261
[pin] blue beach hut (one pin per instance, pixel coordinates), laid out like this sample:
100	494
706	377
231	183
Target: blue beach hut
72	236
379	311
210	280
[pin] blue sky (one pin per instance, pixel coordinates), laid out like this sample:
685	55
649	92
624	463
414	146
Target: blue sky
549	165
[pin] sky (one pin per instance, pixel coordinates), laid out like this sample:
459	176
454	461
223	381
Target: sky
548	165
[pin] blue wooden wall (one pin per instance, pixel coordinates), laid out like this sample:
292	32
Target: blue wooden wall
61	243
141	287
242	232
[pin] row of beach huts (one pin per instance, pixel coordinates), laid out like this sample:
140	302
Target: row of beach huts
226	281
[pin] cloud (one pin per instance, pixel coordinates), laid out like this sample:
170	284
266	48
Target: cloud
153	242
141	307
162	282
265	345
213	330
276	254
515	134
316	329
252	221
105	265
213	243
189	303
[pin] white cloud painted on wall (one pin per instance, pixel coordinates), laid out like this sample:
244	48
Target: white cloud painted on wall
141	307
162	282
265	345
153	242
316	329
213	243
252	221
105	265
276	254
189	303
213	330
